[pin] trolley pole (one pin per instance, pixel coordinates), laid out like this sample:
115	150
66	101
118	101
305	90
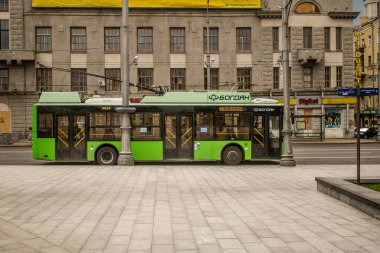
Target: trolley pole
287	158
208	62
125	156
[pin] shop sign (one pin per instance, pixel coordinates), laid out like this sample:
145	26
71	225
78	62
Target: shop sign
309	101
225	4
367	112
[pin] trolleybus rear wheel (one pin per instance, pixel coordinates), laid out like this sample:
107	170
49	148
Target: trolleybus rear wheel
106	156
232	155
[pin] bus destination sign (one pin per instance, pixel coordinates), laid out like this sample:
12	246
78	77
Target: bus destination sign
231	109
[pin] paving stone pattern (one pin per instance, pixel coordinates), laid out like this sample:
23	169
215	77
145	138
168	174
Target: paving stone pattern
179	208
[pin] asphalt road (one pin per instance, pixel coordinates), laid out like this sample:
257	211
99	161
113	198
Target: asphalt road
344	153
307	154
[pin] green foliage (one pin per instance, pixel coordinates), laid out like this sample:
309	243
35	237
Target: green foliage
375	187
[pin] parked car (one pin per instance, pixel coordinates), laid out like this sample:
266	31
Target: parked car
367	132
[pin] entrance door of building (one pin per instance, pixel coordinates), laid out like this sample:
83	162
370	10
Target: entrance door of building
178	137
71	137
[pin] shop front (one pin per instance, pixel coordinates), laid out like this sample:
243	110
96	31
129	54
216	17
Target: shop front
322	117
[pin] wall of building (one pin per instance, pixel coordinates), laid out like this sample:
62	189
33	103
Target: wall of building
261	59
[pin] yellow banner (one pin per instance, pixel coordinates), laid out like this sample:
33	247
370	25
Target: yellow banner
229	4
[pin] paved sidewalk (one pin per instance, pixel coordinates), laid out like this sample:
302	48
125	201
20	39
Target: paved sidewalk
178	208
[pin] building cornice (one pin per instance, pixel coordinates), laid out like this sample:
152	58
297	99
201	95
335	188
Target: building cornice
269	14
343	14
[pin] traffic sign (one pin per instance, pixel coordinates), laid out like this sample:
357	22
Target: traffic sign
347	92
369	91
353	92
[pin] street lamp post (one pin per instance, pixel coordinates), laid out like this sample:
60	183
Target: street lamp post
287	158
208	61
125	156
378	60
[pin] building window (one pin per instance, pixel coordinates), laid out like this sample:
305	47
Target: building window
112	79
177	40
290	39
243	39
4	79
4	5
145	78
78	39
327	77
339	38
78	80
369	41
307	37
369	61
339	72
4	34
244	78
112	39
214	39
307	8
178	79
275	38
214	78
327	38
44	79
145	40
276	78
43	39
308	77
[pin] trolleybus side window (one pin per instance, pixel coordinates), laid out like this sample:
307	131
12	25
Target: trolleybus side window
204	126
45	125
105	126
146	126
232	126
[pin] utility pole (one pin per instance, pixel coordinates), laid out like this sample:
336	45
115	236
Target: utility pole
208	61
378	61
125	156
287	158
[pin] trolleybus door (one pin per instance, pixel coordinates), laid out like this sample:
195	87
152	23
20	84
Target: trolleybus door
259	137
178	142
71	137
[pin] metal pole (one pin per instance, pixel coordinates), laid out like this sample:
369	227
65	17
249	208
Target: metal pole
378	61
208	62
287	158
358	133
125	156
358	98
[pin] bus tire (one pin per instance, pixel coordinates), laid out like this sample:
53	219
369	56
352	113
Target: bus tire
106	156
232	155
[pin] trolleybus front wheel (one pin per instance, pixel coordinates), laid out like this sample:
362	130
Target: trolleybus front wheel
232	155
106	156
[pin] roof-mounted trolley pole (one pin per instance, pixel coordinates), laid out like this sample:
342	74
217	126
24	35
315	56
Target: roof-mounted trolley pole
287	158
125	156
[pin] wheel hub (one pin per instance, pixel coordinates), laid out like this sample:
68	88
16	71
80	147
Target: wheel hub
232	155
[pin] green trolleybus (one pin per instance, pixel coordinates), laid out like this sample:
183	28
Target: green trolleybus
184	126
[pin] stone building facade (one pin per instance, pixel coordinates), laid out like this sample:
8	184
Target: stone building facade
50	49
369	47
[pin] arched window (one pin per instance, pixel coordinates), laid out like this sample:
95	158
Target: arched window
307	8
